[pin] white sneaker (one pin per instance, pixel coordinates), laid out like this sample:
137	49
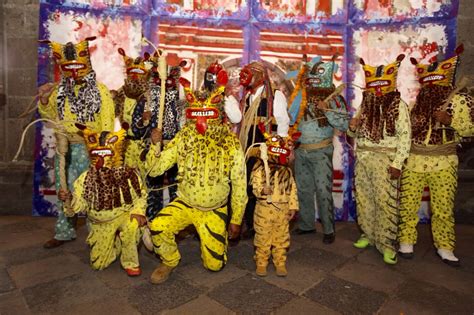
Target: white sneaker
448	257
406	251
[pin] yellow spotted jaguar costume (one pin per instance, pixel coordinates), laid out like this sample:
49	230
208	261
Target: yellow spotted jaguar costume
111	194
210	160
433	159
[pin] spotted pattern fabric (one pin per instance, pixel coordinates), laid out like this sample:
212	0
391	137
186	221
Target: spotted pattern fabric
210	225
314	172
377	199
430	99
106	189
109	240
442	185
379	115
86	104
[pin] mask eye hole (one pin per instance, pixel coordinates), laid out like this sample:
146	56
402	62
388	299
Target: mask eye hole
92	139
368	74
112	140
83	53
274	139
447	66
420	70
321	70
390	70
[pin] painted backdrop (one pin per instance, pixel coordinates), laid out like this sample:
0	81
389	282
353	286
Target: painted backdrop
236	32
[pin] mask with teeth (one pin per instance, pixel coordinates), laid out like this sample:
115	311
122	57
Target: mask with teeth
137	71
106	148
441	73
73	59
381	80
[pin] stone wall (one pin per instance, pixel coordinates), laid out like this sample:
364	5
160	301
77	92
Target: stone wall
18	73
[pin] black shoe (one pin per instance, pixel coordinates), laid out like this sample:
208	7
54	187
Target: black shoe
247	234
452	263
406	255
329	238
302	232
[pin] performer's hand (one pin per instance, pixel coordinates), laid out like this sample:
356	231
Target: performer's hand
322	105
234	231
267	190
184	82
156	135
443	117
146	116
354	124
64	195
44	92
290	215
394	172
141	219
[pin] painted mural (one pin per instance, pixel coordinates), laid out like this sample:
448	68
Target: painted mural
235	32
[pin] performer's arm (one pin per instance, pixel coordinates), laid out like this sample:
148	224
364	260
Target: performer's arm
461	120
232	109
165	160
78	203
337	116
257	179
47	101
107	109
403	134
238	179
280	113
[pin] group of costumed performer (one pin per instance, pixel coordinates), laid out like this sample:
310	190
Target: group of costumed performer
114	199
77	98
259	104
442	113
138	104
317	111
382	131
274	187
210	160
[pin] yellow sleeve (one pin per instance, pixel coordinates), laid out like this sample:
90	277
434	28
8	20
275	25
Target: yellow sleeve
49	110
139	202
293	204
238	177
257	180
107	109
157	165
78	203
461	121
403	135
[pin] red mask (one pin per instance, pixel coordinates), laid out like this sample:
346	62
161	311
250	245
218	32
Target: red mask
245	77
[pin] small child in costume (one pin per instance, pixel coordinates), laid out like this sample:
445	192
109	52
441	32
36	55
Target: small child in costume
114	199
277	201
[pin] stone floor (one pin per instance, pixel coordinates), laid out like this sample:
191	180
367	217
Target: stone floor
334	279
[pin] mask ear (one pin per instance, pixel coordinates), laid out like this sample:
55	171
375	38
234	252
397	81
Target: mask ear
125	125
146	56
400	57
459	50
44	41
362	62
121	51
183	63
413	61
89	39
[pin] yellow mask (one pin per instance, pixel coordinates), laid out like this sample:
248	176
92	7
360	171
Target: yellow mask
136	69
106	149
438	73
382	79
73	59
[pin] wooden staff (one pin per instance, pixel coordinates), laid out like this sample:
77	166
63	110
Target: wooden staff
162	71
